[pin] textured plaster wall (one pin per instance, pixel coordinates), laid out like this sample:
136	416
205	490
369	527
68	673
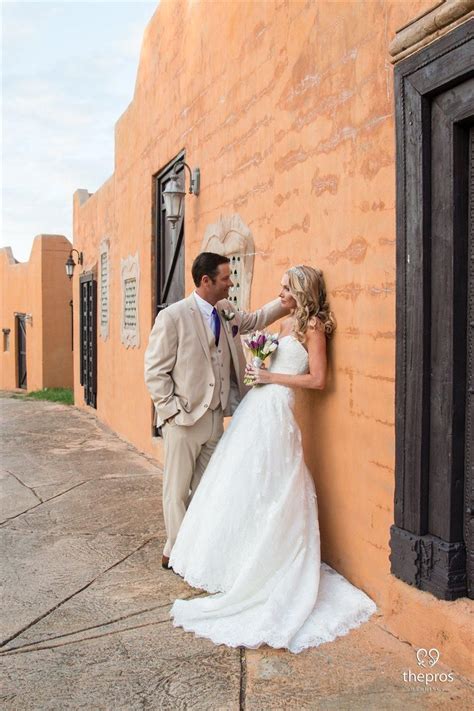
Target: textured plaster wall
287	108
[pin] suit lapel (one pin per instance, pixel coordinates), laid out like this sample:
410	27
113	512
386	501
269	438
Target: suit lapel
226	327
198	325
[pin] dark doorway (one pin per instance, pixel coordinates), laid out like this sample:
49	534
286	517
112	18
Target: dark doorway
22	381
168	244
168	259
88	337
432	539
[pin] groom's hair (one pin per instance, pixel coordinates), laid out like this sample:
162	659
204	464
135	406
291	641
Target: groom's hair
207	263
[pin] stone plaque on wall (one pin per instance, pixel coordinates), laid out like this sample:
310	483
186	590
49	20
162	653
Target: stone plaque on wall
104	272
130	281
231	237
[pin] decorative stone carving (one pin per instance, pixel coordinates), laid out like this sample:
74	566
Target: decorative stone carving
104	275
130	281
422	30
231	237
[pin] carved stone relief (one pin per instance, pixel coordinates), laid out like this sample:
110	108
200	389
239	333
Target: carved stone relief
130	281
231	237
104	275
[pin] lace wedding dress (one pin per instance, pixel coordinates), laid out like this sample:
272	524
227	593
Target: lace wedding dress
251	534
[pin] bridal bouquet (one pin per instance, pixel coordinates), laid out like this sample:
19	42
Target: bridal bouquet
261	345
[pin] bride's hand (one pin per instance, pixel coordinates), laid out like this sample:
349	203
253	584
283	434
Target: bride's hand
260	376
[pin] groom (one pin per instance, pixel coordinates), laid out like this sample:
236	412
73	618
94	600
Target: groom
194	368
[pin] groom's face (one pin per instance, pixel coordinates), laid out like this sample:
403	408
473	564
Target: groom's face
219	288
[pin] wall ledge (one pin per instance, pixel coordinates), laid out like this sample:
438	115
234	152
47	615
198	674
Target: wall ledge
423	30
8	252
81	196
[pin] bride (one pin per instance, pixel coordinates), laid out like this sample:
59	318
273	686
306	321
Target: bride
251	532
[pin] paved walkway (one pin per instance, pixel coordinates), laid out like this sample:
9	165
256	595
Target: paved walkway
87	602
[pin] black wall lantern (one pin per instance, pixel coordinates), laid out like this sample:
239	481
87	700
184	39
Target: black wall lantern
174	193
70	263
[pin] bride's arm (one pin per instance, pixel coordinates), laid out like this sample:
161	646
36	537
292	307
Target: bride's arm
315	379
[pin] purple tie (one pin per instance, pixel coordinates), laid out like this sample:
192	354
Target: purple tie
216	325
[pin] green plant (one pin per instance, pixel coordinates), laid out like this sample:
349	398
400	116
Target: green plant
63	395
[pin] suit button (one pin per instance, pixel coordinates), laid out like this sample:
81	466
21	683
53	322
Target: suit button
206	405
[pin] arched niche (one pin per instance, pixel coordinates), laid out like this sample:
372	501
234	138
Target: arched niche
231	237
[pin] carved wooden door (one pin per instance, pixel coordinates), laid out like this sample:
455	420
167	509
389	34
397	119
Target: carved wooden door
469	426
88	338
432	539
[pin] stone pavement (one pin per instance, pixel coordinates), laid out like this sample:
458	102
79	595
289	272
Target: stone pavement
86	602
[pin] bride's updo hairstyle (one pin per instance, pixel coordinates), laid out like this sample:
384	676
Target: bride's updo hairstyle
312	307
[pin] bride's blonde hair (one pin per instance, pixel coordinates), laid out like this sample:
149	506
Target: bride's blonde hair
312	307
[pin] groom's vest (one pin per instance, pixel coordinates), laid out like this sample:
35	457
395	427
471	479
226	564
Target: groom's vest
220	359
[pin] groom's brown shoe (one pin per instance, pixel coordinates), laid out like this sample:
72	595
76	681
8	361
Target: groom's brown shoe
165	563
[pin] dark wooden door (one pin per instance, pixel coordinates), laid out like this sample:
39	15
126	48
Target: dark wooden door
469	420
88	345
452	114
169	253
169	245
431	541
21	351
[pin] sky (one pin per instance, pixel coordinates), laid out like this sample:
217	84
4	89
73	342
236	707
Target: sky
68	73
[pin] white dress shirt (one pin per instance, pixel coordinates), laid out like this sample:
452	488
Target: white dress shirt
206	309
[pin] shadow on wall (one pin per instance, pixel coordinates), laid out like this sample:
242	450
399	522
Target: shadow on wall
313	414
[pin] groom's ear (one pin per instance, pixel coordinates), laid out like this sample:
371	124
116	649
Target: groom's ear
206	280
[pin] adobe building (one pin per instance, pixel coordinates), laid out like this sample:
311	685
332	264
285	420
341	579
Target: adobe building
304	133
36	317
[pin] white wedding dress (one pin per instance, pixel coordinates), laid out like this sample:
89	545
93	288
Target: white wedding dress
251	534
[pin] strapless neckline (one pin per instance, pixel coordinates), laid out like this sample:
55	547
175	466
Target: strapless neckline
294	339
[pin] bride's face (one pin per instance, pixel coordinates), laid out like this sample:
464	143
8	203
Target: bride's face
286	297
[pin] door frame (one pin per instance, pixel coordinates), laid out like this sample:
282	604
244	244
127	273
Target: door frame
419	558
159	278
88	337
160	281
21	382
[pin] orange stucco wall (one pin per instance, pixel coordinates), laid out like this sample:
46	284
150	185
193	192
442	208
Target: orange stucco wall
288	110
41	288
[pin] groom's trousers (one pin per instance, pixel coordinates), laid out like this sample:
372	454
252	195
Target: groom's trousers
187	452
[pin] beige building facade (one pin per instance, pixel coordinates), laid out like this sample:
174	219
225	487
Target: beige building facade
36	317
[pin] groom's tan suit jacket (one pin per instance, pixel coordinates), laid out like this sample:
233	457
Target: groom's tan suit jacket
178	368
